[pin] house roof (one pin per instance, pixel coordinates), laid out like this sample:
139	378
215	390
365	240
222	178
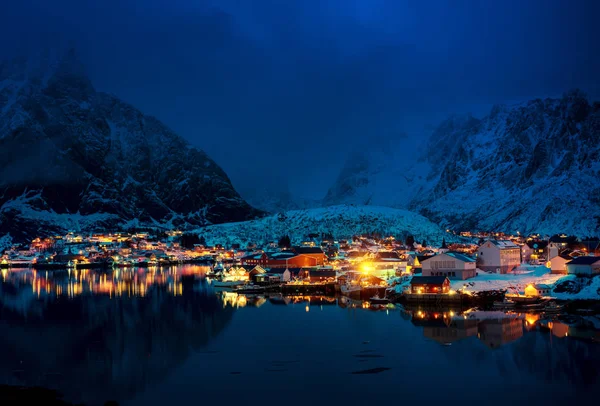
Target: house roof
279	271
421	280
355	254
253	256
460	256
503	244
387	255
282	255
588	260
422	258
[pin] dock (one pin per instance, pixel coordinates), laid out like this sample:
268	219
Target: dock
325	289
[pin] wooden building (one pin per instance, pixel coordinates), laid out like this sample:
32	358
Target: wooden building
587	265
429	284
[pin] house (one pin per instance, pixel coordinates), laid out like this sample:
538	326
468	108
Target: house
534	251
257	258
285	274
429	284
454	265
543	289
587	265
558	264
311	252
284	259
501	256
254	272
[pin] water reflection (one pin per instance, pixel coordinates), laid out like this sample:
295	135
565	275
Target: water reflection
99	336
121	334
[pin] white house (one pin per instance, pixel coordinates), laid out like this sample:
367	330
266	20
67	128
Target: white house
386	264
453	265
559	264
587	265
284	274
498	256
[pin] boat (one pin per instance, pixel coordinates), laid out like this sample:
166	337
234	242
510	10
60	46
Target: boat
505	304
532	306
377	300
553	307
227	284
522	299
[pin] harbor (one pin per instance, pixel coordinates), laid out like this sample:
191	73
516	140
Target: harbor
172	324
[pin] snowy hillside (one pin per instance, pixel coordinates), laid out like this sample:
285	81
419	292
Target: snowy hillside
276	198
342	221
532	167
75	158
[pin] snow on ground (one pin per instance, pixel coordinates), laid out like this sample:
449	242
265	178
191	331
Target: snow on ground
516	282
525	275
342	221
25	206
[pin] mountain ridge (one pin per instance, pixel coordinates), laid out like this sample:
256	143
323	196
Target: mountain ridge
529	167
95	161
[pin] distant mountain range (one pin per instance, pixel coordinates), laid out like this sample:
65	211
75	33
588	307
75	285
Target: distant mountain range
75	158
72	158
531	167
342	222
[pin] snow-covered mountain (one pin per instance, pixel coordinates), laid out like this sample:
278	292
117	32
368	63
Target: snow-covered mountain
276	199
75	158
342	221
531	167
381	171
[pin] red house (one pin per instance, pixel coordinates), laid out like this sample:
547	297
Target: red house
284	259
429	284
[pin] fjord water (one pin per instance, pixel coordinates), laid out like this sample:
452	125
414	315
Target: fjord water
164	336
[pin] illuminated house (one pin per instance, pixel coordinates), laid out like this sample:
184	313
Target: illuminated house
534	250
454	265
584	266
311	252
298	258
558	264
499	256
429	284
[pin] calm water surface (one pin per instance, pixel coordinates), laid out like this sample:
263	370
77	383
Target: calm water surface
145	337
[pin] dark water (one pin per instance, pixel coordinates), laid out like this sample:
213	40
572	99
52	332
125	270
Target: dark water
145	337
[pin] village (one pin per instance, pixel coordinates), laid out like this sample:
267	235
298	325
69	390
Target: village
517	270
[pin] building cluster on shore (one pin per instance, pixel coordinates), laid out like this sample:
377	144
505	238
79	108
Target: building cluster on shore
359	263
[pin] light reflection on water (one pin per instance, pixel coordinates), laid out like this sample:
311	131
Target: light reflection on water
158	335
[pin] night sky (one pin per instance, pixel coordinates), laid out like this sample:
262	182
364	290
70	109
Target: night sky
277	92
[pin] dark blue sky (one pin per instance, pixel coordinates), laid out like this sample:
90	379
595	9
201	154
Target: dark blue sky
279	91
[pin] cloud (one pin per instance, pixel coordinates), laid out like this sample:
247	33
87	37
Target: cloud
289	87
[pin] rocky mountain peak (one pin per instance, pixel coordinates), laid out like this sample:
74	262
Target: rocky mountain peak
533	166
75	158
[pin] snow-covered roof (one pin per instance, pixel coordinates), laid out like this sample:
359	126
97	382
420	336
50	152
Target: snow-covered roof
460	256
504	244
